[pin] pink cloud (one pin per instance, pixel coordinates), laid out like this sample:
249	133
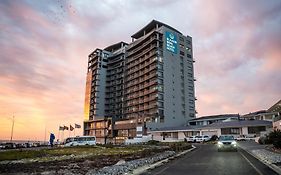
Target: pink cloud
44	49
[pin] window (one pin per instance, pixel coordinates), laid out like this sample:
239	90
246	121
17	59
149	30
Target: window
181	39
160	104
188	49
160	66
160	88
182	53
160	96
162	119
160	81
256	130
230	131
160	74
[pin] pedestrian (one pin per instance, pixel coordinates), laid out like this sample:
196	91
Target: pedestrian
52	138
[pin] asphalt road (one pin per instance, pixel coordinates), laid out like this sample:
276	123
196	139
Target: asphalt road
206	160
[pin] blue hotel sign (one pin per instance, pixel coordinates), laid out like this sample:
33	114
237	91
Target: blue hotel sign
171	42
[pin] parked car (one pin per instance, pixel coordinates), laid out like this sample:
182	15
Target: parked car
203	138
190	139
227	142
9	145
245	137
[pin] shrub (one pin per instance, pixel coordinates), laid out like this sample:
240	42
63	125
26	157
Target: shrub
274	138
262	140
153	142
214	137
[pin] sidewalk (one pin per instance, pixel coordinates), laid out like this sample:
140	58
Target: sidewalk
270	158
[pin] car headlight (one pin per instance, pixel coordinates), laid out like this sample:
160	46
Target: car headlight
220	143
233	143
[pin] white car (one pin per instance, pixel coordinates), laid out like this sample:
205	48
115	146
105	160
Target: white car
203	138
190	139
227	142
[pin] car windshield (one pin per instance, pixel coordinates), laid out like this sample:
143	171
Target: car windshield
226	138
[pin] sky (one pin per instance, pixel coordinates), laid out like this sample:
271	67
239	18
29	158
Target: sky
45	45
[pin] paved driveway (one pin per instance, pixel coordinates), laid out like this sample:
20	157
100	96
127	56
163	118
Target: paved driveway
206	160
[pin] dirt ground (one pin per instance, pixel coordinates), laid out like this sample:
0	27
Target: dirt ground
77	166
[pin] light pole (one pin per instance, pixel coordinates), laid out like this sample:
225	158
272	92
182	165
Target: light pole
12	128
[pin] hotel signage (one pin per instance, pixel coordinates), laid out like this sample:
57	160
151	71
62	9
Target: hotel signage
171	42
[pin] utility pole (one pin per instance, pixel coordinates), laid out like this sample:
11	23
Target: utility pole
12	128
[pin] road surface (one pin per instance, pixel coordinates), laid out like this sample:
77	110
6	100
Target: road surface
206	160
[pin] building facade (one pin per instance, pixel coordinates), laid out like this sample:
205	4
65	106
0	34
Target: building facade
141	86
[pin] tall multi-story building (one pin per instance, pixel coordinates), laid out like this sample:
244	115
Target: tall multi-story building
144	85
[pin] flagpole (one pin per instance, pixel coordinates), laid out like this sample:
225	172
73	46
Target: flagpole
59	134
62	134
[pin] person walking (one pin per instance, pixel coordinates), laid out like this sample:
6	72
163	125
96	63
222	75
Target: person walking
52	138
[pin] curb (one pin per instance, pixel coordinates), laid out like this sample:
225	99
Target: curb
143	169
268	164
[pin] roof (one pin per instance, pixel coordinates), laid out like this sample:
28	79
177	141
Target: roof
239	123
177	128
215	117
276	107
255	113
150	26
115	46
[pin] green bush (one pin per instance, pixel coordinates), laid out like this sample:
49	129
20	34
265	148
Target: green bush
214	137
274	138
153	142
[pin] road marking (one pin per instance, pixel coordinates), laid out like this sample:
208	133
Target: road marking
257	170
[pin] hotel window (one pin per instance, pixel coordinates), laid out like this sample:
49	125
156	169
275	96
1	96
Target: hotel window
181	39
182	53
160	96
160	81
188	49
161	119
160	104
160	74
160	88
181	46
160	66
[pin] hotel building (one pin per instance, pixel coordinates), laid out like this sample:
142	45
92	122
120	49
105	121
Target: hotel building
141	86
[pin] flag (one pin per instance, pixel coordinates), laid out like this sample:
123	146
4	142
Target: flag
71	128
61	128
65	128
77	126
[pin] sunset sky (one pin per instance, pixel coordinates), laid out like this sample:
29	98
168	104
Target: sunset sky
45	44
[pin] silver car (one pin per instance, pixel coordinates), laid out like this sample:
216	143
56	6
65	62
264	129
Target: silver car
227	142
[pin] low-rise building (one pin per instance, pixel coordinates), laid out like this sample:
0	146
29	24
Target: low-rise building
236	128
275	110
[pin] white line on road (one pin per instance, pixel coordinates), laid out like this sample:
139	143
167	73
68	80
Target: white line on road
257	170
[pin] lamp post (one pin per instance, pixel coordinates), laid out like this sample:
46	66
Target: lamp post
12	129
